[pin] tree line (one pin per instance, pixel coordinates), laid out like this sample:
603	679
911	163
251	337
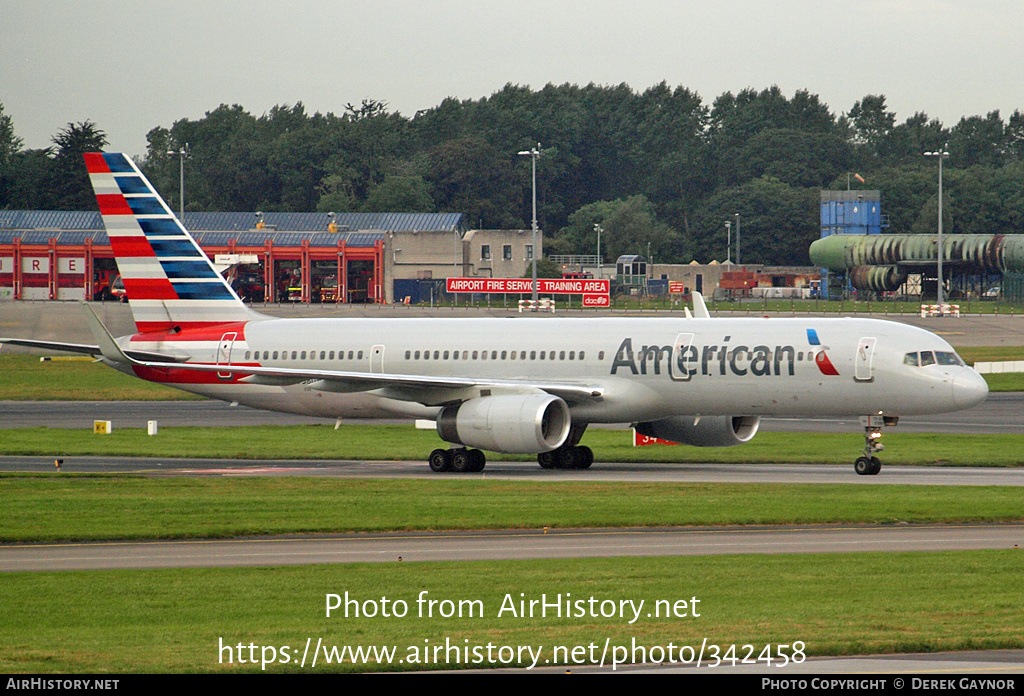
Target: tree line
658	169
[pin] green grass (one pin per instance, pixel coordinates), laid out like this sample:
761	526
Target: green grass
404	442
1006	382
973	354
59	507
26	378
836	604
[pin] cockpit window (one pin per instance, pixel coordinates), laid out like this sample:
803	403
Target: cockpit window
927	357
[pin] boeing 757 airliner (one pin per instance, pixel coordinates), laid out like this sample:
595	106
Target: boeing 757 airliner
513	385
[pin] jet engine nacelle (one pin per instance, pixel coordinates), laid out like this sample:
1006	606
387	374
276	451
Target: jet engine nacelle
706	431
516	424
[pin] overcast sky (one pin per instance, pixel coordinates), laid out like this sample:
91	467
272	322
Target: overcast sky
131	66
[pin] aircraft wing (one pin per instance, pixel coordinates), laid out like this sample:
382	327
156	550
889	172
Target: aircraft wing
430	390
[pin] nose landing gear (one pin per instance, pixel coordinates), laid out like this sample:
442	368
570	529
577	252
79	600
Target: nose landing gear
868	464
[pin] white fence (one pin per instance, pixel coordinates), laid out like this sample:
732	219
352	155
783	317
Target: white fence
995	368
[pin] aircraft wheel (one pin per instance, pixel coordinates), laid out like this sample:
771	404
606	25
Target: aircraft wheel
479	460
546	460
876	466
439	460
462	461
862	466
567	458
584	457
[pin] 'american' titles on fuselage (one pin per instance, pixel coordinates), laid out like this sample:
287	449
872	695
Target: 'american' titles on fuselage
685	360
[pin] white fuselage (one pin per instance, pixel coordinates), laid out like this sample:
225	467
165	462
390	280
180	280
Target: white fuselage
646	368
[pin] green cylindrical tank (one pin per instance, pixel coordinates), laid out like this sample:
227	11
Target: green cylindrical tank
877	278
981	253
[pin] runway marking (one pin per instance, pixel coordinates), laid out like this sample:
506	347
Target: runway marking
243	470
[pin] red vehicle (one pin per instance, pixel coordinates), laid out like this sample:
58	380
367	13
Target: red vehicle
102	282
117	289
329	289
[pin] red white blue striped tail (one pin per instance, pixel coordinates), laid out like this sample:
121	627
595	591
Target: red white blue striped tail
170	283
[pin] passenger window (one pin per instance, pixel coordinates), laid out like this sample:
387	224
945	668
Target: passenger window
572	355
360	355
910	359
533	355
446	355
436	354
561	356
927	358
275	355
504	354
303	356
331	355
494	355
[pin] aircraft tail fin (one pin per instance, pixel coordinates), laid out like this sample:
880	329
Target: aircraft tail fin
170	283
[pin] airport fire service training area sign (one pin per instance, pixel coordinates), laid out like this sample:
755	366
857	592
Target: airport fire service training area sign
595	293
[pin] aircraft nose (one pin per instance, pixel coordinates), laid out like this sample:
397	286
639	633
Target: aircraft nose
969	389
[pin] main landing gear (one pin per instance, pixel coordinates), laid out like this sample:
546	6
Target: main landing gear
868	464
571	455
567	457
459	460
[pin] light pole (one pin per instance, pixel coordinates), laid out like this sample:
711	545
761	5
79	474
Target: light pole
534	153
737	216
941	154
181	153
599	230
728	241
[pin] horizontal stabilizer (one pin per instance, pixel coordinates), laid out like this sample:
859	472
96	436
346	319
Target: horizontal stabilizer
87	349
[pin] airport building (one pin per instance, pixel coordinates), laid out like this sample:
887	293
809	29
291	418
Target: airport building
268	257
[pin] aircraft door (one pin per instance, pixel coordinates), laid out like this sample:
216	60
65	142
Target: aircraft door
227	342
864	360
678	366
377	359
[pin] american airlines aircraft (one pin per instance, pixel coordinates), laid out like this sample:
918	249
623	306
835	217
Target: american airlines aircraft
513	385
